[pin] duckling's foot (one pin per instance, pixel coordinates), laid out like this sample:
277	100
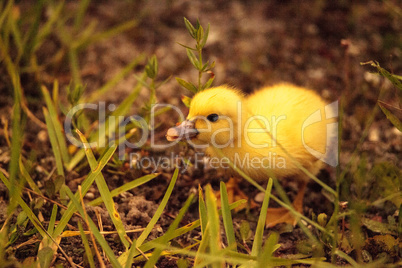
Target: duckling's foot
283	215
235	194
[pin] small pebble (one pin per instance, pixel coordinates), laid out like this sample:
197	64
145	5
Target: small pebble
373	79
374	135
90	196
42	136
396	131
259	198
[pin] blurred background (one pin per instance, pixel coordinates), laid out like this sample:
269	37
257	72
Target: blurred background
317	44
105	46
253	43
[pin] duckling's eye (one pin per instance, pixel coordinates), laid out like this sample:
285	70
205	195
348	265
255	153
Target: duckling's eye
213	117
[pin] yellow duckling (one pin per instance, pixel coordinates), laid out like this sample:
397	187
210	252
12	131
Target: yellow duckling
253	131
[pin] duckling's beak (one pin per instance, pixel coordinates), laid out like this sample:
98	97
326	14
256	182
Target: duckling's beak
185	129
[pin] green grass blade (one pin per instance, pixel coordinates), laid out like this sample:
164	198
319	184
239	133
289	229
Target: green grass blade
56	101
178	232
140	240
227	218
74	66
109	33
390	116
115	79
5	12
259	232
157	252
394	79
159	210
46	29
281	192
199	260
53	141
94	229
17	129
202	210
231	257
213	223
264	258
79	155
84	189
276	199
345	256
129	255
47	241
30	37
17	36
126	187
105	194
87	248
4	238
52	221
126	105
100	135
24	173
83	35
16	146
32	217
56	123
80	14
400	222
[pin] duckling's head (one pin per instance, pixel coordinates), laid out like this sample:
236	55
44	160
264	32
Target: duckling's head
213	118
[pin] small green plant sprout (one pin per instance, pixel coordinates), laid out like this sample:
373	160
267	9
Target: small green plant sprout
396	80
151	70
200	36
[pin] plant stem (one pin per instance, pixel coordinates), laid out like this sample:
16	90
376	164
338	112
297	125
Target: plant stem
201	64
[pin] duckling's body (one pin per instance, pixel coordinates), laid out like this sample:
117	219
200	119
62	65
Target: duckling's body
256	131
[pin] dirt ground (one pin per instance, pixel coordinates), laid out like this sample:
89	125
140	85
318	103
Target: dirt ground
316	44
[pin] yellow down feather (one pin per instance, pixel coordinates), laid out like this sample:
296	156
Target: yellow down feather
250	130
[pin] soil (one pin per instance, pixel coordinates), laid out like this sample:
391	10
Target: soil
315	44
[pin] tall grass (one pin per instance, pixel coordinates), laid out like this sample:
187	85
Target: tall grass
218	244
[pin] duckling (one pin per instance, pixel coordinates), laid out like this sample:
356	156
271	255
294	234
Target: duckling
254	132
